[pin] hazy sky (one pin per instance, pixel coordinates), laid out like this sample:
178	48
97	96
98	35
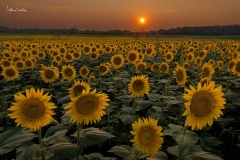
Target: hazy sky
118	14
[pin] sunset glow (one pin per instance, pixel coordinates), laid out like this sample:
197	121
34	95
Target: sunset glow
142	20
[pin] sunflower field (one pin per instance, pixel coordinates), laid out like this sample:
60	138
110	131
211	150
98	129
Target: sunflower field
101	98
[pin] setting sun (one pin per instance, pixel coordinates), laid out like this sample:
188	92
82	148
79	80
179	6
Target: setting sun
142	20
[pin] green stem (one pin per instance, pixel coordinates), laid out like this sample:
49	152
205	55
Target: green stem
78	136
184	130
40	141
179	151
168	86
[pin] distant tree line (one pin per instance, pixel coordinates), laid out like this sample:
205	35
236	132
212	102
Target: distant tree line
198	30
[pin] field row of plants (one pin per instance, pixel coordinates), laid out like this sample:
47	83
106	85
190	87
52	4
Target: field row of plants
119	98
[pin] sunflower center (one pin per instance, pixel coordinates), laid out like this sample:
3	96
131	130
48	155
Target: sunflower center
206	72
19	65
117	60
87	104
68	57
202	103
49	73
132	56
163	67
78	89
93	55
141	67
146	135
84	71
149	50
169	56
138	85
10	72
102	69
33	109
68	72
28	63
179	75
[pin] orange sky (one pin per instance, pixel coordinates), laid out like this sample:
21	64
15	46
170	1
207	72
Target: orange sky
119	14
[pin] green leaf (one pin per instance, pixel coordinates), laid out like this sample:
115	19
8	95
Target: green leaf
52	130
209	140
13	138
128	119
173	150
125	98
28	151
159	155
65	150
91	136
143	104
153	97
196	153
97	156
127	152
55	138
64	99
223	122
172	128
185	141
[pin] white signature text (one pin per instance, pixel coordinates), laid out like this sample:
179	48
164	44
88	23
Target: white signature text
15	10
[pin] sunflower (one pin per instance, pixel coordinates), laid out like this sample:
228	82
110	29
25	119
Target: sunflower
20	65
41	55
77	88
154	67
77	55
49	74
104	69
10	73
91	79
190	57
93	56
220	64
204	104
68	57
140	57
236	68
29	63
207	71
24	54
231	64
180	74
86	49
147	135
87	108
5	63
202	54
139	86
58	58
186	65
32	110
164	68
205	81
68	72
33	52
211	62
7	55
150	52
141	66
84	71
169	56
198	61
15	58
132	57
117	61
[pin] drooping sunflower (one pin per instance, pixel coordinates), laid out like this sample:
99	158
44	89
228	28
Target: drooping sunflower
10	73
180	74
231	64
104	69
207	71
164	68
32	110
87	108
132	57
203	104
169	56
236	68
49	74
68	72
84	71
91	79
147	135
205	81
117	61
141	66
78	87
138	86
